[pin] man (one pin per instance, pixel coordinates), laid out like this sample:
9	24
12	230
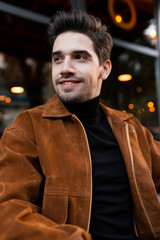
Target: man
73	168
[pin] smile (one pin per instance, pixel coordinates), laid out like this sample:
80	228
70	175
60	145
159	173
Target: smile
69	83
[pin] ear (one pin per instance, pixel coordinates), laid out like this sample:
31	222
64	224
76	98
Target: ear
106	69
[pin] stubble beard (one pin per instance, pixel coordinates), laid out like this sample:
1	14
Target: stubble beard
71	96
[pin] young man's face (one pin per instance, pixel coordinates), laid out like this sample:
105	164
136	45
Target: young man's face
76	73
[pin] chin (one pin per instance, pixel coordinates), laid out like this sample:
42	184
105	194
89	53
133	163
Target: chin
70	98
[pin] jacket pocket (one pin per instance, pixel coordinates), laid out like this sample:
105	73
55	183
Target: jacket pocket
55	207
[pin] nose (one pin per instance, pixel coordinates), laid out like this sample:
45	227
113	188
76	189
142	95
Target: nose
67	66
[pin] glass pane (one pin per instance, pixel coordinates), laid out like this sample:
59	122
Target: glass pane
25	59
33	76
24	62
127	20
137	96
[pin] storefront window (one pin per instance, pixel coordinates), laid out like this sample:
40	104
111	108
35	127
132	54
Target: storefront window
137	95
25	58
24	83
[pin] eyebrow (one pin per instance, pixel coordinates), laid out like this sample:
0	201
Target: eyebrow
56	53
82	52
74	52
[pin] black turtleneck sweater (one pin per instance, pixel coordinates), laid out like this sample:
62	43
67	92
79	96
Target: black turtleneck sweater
111	215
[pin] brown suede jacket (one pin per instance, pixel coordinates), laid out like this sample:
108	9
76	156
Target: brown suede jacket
46	175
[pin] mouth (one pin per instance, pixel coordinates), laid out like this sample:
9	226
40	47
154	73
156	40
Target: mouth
69	83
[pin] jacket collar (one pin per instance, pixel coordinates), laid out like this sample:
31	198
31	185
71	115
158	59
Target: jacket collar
115	113
56	109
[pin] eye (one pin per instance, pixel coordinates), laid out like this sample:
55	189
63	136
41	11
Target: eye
57	59
80	57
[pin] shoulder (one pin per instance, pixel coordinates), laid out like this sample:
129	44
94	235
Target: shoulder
113	113
122	117
27	116
32	114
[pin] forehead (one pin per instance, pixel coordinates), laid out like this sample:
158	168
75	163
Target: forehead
70	41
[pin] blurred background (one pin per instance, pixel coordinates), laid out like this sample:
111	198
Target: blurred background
25	64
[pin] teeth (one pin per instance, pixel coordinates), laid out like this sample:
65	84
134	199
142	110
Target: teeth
67	83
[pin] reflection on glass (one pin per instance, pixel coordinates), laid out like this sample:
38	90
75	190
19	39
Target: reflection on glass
135	95
150	32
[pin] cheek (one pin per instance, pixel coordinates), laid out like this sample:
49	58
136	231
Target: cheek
86	71
53	77
54	73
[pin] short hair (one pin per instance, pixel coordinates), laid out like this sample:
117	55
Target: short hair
80	21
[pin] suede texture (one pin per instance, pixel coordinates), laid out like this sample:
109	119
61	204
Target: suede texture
46	174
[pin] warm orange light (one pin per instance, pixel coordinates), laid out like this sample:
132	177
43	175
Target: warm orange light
17	89
139	89
139	111
8	100
118	18
152	109
124	111
150	104
2	97
125	77
153	34
131	106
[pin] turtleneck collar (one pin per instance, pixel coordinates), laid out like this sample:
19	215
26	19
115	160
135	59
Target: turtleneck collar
87	112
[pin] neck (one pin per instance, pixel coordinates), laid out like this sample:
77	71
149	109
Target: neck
86	111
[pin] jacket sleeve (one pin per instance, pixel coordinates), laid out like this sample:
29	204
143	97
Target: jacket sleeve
21	191
155	156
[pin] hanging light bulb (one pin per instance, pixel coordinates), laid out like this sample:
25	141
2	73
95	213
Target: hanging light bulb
124	77
118	18
17	89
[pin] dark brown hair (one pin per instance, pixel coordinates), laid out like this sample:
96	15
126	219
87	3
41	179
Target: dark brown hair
80	21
